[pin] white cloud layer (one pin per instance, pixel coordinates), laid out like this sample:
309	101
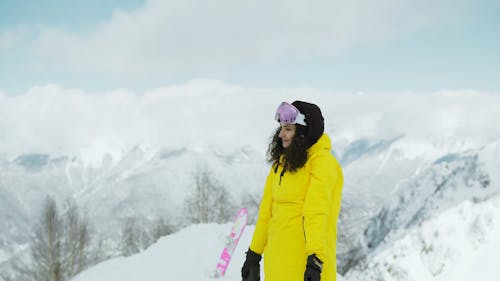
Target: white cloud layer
171	37
206	113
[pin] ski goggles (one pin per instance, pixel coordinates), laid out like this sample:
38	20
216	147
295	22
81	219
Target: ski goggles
289	114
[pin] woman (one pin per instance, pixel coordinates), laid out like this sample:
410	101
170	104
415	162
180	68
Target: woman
296	230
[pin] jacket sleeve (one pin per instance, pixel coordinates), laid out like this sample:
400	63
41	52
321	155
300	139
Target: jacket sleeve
317	205
259	239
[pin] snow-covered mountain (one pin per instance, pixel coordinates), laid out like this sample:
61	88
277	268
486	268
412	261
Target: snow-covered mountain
461	243
146	184
432	189
385	190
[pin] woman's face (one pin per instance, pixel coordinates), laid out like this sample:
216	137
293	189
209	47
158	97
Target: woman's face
286	134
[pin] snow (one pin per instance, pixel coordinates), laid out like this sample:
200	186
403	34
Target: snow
490	156
95	154
190	254
460	244
437	250
429	252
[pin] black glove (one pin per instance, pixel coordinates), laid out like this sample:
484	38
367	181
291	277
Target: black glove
251	268
313	268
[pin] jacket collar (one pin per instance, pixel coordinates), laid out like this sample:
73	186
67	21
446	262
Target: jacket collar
323	143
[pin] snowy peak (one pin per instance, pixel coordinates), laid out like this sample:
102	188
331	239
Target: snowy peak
441	249
445	183
364	147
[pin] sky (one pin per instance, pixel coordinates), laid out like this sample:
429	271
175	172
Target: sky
374	46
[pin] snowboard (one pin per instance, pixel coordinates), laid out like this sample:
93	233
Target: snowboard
239	225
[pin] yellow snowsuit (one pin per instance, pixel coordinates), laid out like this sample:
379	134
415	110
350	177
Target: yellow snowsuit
298	216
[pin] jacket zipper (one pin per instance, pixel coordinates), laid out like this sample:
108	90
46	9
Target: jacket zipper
304	228
282	173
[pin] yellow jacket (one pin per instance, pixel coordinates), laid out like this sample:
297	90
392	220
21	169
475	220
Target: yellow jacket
298	216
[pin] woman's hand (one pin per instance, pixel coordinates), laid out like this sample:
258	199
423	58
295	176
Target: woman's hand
313	268
251	268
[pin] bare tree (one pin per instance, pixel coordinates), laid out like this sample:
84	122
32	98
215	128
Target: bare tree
130	243
137	235
209	201
251	201
162	228
59	248
77	241
46	245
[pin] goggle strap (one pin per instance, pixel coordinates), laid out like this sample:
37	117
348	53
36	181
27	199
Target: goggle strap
300	119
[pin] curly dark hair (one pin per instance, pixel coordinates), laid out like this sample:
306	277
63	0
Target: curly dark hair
294	156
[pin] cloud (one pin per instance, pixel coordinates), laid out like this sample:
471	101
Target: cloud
168	37
210	114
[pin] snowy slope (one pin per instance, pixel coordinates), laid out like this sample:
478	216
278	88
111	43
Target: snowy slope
437	187
437	250
190	254
460	244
